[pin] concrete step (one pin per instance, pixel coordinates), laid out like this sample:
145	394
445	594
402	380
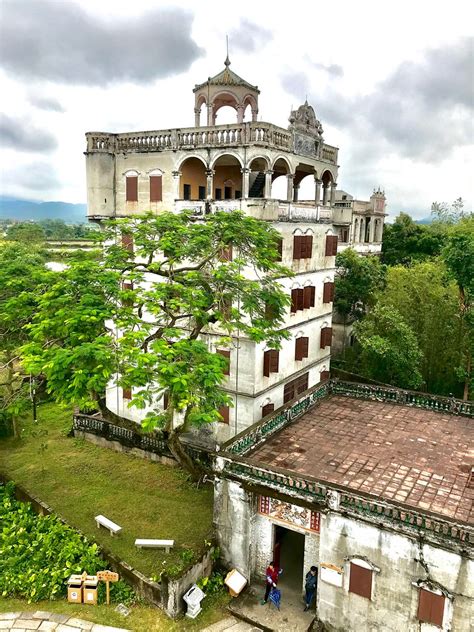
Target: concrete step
231	624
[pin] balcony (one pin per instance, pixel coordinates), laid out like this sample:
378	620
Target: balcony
255	133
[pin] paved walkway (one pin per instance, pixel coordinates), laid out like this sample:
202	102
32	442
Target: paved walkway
231	624
47	621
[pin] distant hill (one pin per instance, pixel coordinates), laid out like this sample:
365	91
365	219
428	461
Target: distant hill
17	209
425	220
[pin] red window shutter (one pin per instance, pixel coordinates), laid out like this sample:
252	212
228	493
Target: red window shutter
300	298
224	413
294	301
334	245
127	241
266	363
274	361
297	246
127	393
305	346
132	188
156	189
301	384
328	336
331	245
288	392
360	581
298	355
308	296
328	292
267	409
324	375
430	607
226	354
308	247
166	400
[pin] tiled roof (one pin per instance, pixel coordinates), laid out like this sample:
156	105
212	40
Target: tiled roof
399	453
226	77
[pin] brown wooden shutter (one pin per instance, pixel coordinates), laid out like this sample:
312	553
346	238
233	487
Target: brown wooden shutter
127	242
269	311
297	246
294	301
166	400
360	581
430	607
323	376
226	354
307	249
224	413
132	188
299	298
288	392
301	348
328	292
267	409
274	361
127	285
156	189
127	393
331	245
309	296
225	253
266	364
326	337
301	384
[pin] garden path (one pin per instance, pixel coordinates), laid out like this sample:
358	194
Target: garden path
47	621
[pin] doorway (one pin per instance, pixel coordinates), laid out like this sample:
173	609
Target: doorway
288	553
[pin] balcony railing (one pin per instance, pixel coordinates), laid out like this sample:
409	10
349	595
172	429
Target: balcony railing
255	133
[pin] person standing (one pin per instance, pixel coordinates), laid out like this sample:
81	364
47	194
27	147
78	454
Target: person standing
271	580
310	586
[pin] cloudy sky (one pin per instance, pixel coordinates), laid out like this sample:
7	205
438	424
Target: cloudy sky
391	82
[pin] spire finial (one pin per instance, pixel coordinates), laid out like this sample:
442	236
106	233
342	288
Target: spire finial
227	61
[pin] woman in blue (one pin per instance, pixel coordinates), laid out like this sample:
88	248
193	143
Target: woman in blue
310	586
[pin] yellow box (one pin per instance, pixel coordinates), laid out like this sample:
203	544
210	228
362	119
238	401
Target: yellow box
74	589
90	590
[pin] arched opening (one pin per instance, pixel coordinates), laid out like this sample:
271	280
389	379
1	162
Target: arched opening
250	108
355	236
247	113
304	191
257	167
193	180
279	189
200	112
225	115
362	230
227	178
327	179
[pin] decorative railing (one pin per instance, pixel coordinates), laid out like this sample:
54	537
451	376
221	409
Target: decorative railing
435	403
101	428
254	133
356	505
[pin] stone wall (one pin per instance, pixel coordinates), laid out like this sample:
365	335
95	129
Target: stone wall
174	589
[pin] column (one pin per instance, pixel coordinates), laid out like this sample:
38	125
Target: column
197	117
176	181
209	115
317	192
371	229
245	182
209	183
268	184
296	190
254	115
240	114
325	194
333	192
289	187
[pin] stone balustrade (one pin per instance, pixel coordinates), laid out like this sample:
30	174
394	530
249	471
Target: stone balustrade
255	133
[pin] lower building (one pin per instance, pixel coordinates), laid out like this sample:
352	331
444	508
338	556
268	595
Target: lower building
371	485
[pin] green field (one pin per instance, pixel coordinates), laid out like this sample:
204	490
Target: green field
80	480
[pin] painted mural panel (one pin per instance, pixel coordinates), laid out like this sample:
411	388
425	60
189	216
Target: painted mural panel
289	514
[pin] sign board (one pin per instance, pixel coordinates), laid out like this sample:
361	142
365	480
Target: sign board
289	514
107	576
332	574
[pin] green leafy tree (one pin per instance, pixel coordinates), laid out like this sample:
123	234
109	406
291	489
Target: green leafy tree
405	242
448	214
184	279
23	279
427	300
459	257
27	232
356	283
389	349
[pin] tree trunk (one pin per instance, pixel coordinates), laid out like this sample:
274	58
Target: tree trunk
183	458
467	381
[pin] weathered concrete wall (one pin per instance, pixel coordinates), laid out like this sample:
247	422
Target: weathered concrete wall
400	563
174	589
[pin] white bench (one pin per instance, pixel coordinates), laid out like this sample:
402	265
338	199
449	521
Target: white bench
155	544
108	524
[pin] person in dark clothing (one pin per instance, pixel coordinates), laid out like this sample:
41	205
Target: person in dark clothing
271	580
310	586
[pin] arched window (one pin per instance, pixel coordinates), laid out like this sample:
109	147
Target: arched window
131	185
156	185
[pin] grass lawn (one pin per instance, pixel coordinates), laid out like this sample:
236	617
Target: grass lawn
142	618
80	480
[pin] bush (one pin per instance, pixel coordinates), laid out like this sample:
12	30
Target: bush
213	584
39	553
